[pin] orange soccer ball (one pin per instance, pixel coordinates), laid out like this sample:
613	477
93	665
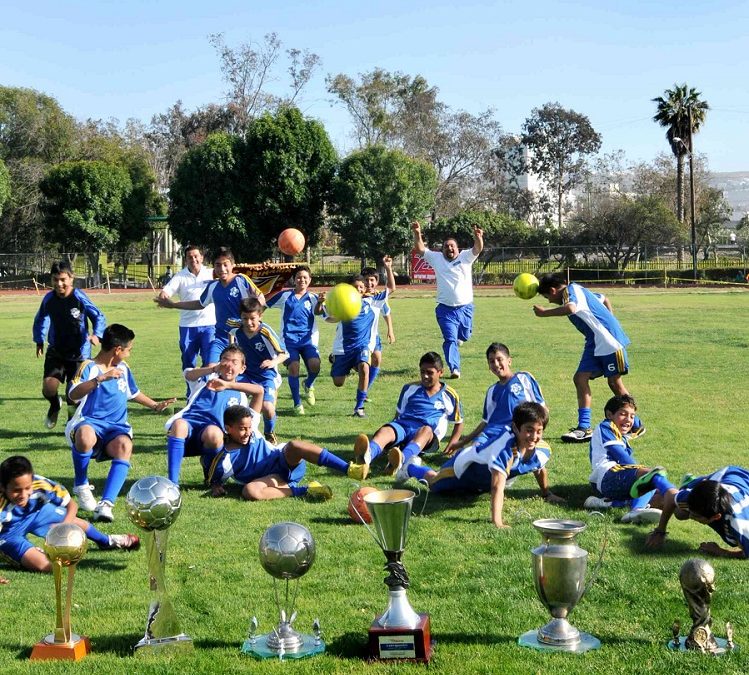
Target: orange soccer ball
356	503
291	241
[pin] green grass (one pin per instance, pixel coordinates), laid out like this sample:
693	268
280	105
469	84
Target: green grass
689	374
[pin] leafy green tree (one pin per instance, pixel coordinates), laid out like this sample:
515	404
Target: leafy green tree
682	112
713	212
499	229
559	142
376	195
4	186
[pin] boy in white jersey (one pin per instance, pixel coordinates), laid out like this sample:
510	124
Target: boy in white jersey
371	281
99	428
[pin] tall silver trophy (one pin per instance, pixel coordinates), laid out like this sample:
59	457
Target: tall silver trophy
153	504
287	551
399	632
559	566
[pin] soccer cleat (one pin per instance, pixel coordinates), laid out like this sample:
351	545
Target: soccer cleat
455	375
686	479
50	421
123	542
636	433
359	412
395	461
358	471
298	410
362	455
309	395
642	484
103	512
402	474
594	502
319	492
638	516
577	435
271	437
86	500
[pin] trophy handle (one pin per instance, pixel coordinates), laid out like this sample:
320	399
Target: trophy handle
361	518
425	484
604	544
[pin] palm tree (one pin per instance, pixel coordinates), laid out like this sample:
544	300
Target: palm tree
682	112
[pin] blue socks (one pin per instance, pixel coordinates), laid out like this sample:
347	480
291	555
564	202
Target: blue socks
642	502
269	424
99	538
361	396
294	386
310	381
374	450
298	490
81	461
583	418
418	472
175	451
411	450
374	371
331	461
115	480
661	484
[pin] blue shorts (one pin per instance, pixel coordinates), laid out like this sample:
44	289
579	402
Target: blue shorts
104	434
345	363
274	464
456	323
405	431
13	542
618	480
607	365
378	344
269	385
306	351
194	340
217	346
194	441
476	479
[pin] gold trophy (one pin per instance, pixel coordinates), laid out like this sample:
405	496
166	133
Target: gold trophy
65	545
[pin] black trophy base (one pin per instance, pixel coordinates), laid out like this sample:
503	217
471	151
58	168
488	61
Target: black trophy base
402	644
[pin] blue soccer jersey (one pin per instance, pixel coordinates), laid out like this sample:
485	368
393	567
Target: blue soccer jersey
732	527
502	399
226	299
255	460
206	406
607	449
601	329
416	406
43	491
361	332
262	346
65	323
298	325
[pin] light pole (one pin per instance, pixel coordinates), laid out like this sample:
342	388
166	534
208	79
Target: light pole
688	148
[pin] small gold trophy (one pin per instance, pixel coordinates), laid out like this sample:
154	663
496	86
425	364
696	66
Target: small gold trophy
65	545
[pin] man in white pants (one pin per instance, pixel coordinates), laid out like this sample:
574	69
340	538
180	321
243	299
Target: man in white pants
453	269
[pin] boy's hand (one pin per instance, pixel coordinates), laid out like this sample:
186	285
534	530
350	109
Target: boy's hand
478	232
94	340
216	384
451	449
538	310
551	498
268	363
112	374
387	261
217	491
416	226
391	338
712	548
655	540
163	302
39	350
160	405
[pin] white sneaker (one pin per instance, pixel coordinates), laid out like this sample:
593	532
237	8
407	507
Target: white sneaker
402	474
103	512
455	375
86	500
594	502
638	516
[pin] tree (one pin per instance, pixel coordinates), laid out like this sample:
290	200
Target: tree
713	212
558	141
287	167
4	186
499	229
682	112
376	195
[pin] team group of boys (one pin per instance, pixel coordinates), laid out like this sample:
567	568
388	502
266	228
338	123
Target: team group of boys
236	388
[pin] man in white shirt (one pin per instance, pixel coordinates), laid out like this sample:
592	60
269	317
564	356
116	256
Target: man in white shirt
453	269
196	326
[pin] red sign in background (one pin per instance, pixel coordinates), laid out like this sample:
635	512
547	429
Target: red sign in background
420	269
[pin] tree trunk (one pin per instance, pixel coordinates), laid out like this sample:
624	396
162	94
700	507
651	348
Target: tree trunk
680	187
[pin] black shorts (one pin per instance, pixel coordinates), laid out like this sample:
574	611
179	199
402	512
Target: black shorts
59	366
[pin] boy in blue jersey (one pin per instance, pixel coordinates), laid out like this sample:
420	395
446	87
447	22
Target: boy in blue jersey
501	398
198	428
616	477
225	293
263	353
371	281
31	504
423	412
719	500
604	352
494	466
99	428
268	471
300	335
63	318
358	338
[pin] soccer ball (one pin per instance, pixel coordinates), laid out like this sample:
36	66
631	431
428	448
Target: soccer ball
343	302
291	241
65	543
356	504
287	550
153	503
525	286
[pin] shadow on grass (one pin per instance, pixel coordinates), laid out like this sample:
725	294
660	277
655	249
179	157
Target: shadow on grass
103	564
634	540
349	646
119	645
335	521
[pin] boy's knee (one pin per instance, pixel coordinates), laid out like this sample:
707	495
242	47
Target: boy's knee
120	448
212	437
253	492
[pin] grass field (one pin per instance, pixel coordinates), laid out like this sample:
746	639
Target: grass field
689	366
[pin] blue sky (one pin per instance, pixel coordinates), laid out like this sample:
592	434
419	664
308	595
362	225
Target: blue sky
604	59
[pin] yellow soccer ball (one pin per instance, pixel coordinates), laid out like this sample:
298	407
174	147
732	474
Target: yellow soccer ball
525	286
343	302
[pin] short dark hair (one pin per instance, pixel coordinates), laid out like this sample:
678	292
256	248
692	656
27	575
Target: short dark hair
251	304
530	411
616	403
302	268
192	247
709	499
431	359
13	467
233	349
223	252
495	347
61	267
235	414
370	272
550	280
356	277
116	335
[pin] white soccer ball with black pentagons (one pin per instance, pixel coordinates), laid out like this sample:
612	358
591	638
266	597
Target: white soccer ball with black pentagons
153	503
287	550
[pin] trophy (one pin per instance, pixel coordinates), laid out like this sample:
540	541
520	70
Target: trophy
398	633
153	504
697	579
559	566
65	545
287	551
